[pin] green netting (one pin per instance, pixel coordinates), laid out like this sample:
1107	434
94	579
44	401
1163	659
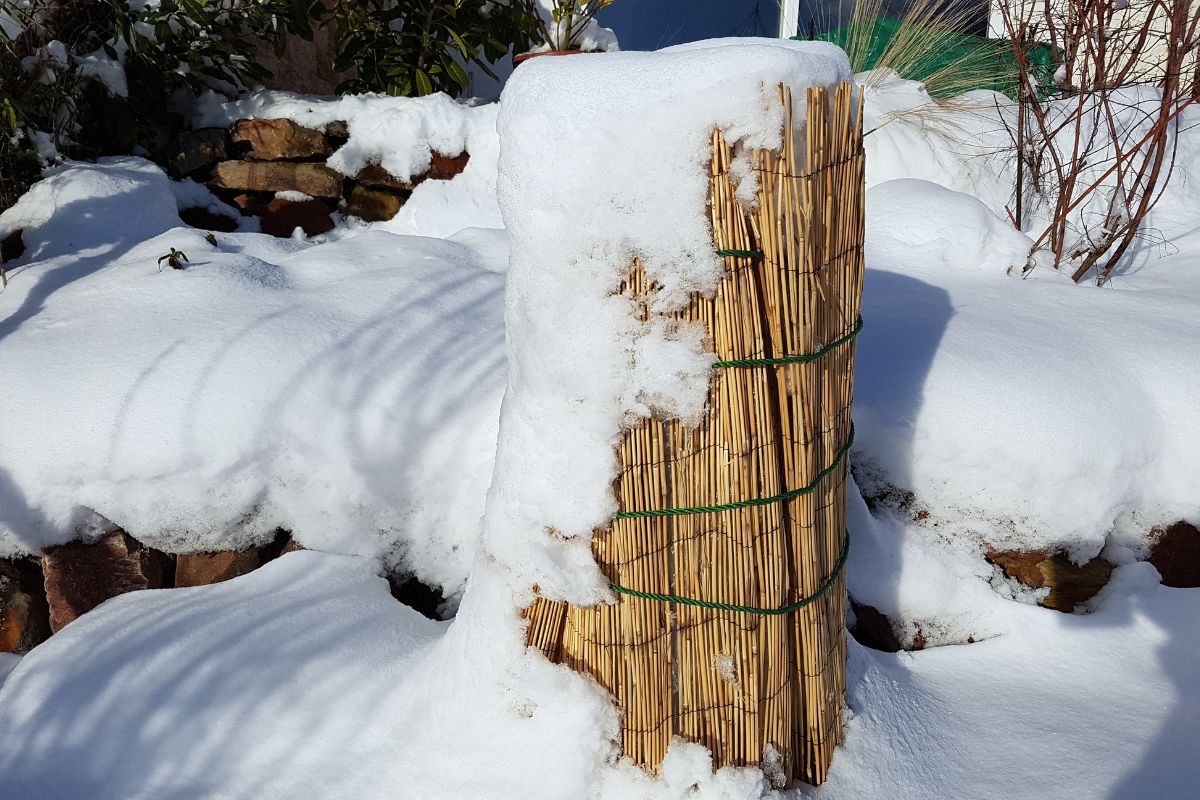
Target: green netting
984	63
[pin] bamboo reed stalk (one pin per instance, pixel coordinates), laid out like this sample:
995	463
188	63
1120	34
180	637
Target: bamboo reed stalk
754	689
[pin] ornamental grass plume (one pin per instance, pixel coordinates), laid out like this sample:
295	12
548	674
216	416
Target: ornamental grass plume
929	42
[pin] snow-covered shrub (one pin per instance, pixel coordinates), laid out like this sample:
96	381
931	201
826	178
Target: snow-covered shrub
99	76
25	97
1096	150
570	24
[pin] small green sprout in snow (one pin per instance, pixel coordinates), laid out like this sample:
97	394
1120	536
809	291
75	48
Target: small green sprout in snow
175	259
208	237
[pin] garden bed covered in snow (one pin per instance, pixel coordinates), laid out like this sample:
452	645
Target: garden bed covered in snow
349	388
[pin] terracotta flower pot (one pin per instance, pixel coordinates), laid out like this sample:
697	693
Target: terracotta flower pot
523	57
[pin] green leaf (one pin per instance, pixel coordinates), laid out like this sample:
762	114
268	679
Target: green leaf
458	40
349	52
424	85
487	70
457	73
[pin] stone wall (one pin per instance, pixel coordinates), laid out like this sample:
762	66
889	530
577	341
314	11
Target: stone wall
275	169
40	595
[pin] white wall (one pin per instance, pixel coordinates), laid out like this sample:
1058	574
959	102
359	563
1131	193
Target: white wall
1132	17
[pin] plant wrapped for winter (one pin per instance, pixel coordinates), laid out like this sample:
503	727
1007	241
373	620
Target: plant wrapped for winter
671	468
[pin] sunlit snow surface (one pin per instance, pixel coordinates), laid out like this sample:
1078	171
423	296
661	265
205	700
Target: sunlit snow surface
349	388
305	679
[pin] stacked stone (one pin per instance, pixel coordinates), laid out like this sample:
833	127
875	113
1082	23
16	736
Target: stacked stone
258	158
39	596
24	615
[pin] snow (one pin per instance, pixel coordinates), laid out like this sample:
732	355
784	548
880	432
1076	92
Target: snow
293	197
960	145
8	662
1023	414
398	133
1050	705
293	385
365	388
43	145
341	692
226	728
1026	414
918	223
83	209
249	689
190	194
109	72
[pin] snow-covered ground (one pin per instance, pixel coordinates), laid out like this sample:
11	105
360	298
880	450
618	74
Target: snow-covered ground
272	383
349	388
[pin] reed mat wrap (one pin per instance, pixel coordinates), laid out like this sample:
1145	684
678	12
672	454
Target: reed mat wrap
763	689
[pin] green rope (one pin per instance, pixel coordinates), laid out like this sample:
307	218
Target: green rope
766	612
761	501
802	359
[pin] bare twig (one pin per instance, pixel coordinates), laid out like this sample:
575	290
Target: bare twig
1066	134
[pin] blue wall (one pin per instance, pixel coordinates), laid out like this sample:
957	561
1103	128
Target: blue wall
651	24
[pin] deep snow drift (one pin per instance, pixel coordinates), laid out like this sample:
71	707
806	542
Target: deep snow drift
305	680
349	387
271	383
1031	413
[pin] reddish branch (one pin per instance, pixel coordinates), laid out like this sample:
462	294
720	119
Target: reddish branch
1100	49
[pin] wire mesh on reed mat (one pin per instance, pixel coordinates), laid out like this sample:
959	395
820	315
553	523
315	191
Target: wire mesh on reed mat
727	554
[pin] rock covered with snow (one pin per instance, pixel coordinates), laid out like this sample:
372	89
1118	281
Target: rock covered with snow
391	142
270	383
82	208
912	222
398	133
1030	414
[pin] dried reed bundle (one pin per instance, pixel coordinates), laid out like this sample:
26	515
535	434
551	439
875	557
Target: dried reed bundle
727	554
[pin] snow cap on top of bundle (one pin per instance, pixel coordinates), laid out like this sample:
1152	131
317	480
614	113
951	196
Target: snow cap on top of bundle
603	159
